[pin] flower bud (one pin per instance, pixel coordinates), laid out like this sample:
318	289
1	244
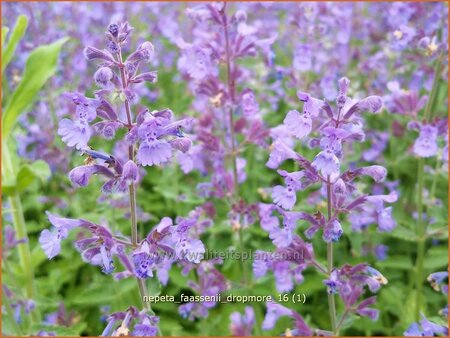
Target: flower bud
339	187
183	144
103	76
113	29
240	16
151	77
148	51
113	47
377	172
130	172
92	53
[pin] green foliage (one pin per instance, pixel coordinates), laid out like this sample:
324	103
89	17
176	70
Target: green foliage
15	37
27	174
40	66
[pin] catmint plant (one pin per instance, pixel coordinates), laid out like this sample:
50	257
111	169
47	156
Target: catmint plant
151	137
231	118
330	130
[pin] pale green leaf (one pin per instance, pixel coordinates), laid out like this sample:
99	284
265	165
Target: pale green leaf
5	31
40	66
15	37
400	232
29	173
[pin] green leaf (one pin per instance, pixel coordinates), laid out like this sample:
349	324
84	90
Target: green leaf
154	287
40	66
400	232
30	173
396	262
16	35
5	31
436	258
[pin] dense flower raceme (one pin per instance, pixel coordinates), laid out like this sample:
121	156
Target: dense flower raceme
227	113
335	130
210	282
165	244
155	132
151	138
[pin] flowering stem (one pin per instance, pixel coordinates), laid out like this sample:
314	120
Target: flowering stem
421	239
421	225
331	303
132	191
231	89
231	93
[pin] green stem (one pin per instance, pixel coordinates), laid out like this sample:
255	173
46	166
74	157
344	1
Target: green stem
421	228
242	248
435	179
331	302
10	314
421	225
231	93
132	194
344	315
21	230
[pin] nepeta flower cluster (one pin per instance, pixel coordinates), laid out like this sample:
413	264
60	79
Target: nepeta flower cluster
335	129
151	138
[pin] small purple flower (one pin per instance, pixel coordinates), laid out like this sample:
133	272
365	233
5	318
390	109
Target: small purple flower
130	172
426	329
381	252
303	57
332	231
280	153
401	37
437	279
285	197
364	310
327	163
50	241
242	324
332	282
274	312
103	76
75	133
297	124
143	261
426	144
